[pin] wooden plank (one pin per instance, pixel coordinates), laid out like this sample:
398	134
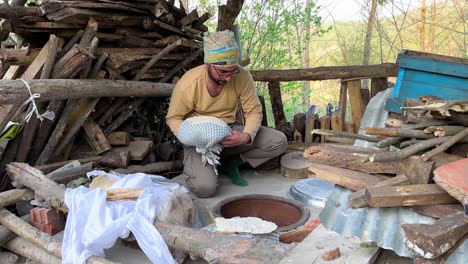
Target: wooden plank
348	157
94	136
417	170
120	138
408	195
431	241
355	101
53	166
350	179
138	149
358	198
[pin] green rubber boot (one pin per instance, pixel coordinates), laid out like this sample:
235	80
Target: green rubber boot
231	168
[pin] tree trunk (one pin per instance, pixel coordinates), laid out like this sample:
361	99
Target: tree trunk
14	91
227	14
370	28
422	27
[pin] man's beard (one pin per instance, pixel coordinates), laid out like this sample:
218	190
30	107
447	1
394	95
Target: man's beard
217	81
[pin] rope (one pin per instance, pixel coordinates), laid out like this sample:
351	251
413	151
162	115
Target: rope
33	103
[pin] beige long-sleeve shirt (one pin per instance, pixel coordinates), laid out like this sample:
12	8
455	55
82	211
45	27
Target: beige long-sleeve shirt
191	98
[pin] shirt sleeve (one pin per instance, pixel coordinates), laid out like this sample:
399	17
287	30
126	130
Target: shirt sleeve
251	106
181	104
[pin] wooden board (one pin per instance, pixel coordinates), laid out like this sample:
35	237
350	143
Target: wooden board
348	157
120	138
358	198
431	241
350	179
139	149
408	195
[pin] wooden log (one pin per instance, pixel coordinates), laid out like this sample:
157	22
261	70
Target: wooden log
356	103
13	91
408	195
344	134
396	132
443	131
225	249
294	165
325	125
72	63
156	167
417	170
16	195
181	65
327	73
348	157
350	179
277	105
67	175
73	40
16	12
387	142
95	137
27	249
119	138
358	198
431	241
460	136
228	13
126	113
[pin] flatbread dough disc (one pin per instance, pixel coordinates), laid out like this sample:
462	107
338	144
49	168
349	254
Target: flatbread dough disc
253	225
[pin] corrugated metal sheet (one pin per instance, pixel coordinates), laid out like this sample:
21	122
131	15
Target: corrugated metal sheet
380	225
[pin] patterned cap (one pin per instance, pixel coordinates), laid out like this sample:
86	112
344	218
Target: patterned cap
221	48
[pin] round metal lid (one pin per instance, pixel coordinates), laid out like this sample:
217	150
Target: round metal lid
311	192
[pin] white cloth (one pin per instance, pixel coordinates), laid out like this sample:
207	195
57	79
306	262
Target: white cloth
93	224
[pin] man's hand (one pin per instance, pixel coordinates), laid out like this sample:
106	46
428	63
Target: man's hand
237	138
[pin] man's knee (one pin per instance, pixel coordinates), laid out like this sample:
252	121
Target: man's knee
204	190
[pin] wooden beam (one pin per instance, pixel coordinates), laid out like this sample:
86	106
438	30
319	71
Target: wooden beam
13	91
95	137
431	241
378	85
327	73
408	195
310	125
350	179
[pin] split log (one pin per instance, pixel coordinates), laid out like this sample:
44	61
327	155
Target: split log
16	195
13	91
67	175
344	134
417	170
9	258
431	241
222	248
126	113
441	106
137	150
95	137
348	157
350	179
327	73
115	158
408	195
152	167
358	198
119	138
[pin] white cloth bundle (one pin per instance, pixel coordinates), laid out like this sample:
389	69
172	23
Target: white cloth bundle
204	133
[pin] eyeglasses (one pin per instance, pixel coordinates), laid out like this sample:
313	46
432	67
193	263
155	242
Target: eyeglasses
223	73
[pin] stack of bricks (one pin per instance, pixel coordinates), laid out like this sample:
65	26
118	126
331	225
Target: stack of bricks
46	220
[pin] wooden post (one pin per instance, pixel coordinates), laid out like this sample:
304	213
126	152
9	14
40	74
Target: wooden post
310	125
355	101
324	124
336	122
343	103
277	104
264	114
378	85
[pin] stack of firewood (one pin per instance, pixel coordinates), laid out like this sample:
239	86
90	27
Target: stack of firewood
92	64
425	170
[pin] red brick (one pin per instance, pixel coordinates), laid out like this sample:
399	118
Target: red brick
51	216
